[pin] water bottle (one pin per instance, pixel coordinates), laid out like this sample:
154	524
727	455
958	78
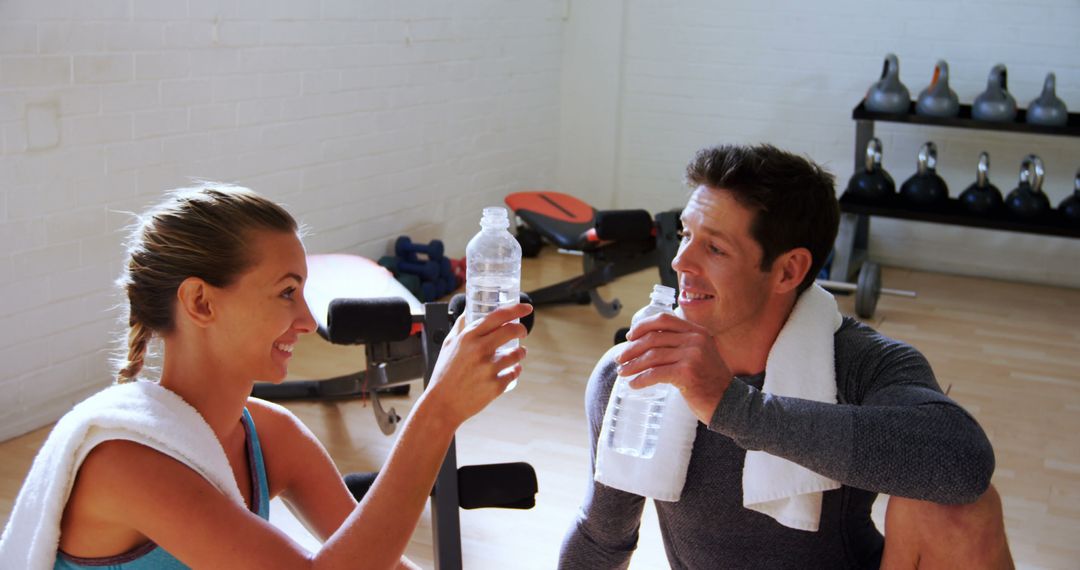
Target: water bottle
492	270
634	421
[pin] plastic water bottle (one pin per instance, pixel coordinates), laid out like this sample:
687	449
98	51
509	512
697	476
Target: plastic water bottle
636	415
492	270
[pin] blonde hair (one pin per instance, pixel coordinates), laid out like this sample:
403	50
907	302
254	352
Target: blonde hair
196	232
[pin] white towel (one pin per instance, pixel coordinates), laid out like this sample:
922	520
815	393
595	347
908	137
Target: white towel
143	412
801	364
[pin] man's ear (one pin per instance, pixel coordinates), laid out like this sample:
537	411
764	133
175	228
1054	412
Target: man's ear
193	301
791	268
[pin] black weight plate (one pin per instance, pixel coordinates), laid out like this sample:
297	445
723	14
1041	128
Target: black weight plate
868	290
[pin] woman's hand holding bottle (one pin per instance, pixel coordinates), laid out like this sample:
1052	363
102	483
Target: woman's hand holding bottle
469	374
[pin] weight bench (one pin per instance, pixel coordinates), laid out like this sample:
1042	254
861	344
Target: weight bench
612	244
355	301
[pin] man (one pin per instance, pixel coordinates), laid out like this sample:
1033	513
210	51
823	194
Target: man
757	229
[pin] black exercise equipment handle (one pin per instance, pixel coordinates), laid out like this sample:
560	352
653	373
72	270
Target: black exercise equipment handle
624	225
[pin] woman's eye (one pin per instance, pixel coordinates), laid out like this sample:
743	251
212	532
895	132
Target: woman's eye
288	293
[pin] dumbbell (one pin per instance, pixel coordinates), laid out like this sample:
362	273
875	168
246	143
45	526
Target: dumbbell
440	286
426	270
428	292
867	289
406	249
448	282
410	281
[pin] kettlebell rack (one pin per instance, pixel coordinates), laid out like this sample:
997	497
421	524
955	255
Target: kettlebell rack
853	236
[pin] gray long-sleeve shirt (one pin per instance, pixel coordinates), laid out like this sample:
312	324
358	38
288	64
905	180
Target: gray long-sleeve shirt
892	431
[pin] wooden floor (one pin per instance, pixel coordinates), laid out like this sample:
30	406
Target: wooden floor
1010	352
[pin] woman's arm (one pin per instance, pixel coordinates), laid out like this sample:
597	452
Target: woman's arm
172	505
300	470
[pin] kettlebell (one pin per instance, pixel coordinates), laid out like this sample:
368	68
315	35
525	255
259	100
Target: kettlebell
995	104
925	187
1027	200
872	183
938	100
981	196
888	95
1070	206
1047	108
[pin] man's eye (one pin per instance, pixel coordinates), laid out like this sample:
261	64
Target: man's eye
683	235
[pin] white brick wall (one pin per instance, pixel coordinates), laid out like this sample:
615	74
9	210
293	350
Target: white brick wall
372	119
695	73
368	119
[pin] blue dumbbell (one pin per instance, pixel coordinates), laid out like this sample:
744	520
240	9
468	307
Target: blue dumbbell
411	282
427	292
390	263
426	270
406	249
447	284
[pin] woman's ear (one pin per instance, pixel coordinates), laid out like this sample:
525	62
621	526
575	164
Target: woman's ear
792	266
194	302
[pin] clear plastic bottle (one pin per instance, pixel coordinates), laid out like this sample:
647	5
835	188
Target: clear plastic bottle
633	425
492	270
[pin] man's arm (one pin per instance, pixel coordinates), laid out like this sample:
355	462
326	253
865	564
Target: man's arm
904	437
899	435
605	532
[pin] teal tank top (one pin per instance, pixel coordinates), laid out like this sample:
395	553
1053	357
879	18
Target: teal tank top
149	556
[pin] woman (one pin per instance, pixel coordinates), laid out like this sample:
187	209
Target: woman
218	274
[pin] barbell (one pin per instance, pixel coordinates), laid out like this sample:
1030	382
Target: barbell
867	289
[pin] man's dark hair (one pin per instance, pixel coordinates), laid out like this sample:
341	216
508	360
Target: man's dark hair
794	199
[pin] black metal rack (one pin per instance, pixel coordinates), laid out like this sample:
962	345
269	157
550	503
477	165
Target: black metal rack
852	239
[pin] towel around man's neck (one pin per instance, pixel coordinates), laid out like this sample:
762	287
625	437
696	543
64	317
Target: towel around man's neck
143	412
801	364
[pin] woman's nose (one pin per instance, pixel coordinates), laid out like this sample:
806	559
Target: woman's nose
306	321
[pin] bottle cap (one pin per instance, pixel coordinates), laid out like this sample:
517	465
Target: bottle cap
663	294
495	217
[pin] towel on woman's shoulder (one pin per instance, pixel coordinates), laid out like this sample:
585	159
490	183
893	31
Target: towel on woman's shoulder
143	412
800	364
